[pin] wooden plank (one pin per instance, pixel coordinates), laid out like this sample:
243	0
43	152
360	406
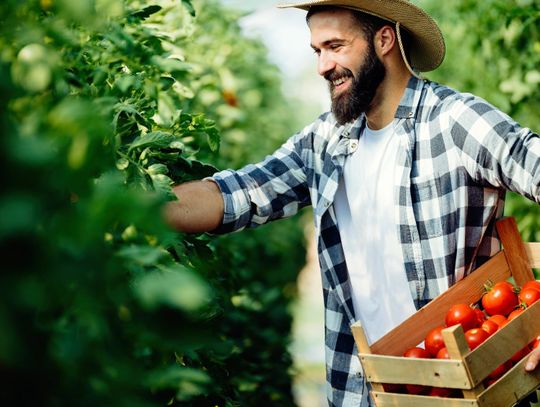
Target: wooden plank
533	254
503	344
413	330
406	400
514	249
363	346
428	372
513	386
457	347
360	338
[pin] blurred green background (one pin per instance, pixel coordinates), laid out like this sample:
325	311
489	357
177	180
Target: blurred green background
106	104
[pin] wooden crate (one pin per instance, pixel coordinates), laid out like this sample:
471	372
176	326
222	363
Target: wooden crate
465	370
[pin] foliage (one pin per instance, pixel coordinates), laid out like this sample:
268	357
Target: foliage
106	104
494	51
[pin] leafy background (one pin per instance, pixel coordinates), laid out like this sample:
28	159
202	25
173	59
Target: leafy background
493	50
106	104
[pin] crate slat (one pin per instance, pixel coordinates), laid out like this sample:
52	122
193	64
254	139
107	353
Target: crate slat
513	386
413	330
533	253
457	347
507	341
431	372
514	249
406	400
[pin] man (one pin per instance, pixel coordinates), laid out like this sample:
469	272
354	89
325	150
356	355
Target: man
404	175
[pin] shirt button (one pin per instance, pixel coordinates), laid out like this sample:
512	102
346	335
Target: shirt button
326	204
354	145
410	114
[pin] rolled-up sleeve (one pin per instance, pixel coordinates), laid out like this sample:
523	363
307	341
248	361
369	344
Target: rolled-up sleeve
259	193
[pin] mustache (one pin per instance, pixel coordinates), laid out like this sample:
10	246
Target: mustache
333	75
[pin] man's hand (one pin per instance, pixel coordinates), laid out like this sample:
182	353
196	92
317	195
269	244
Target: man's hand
534	359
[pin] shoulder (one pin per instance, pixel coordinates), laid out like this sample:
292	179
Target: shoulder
448	101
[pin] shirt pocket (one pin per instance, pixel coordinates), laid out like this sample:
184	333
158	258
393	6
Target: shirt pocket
433	205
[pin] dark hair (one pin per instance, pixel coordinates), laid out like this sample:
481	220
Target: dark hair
368	23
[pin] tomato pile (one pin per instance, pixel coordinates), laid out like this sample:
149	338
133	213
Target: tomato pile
500	303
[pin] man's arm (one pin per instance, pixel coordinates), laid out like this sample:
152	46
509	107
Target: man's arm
199	207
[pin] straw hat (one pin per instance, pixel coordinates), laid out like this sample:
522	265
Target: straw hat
427	47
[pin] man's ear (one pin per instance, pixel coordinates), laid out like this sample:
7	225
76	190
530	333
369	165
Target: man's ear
385	40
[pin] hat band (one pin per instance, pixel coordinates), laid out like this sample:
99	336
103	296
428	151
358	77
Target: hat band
402	50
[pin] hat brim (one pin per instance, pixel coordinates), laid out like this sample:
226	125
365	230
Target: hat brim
427	48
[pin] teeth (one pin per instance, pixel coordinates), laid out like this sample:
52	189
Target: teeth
339	81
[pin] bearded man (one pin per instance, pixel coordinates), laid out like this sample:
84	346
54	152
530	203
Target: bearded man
406	178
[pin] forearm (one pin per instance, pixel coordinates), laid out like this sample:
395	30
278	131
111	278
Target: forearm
199	207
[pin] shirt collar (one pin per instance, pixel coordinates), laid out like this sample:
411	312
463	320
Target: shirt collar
410	99
407	109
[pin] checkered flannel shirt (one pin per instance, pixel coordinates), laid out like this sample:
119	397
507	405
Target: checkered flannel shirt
457	156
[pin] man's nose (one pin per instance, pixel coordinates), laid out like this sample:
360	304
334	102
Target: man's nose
325	63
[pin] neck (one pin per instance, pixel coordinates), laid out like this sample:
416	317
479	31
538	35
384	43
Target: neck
387	99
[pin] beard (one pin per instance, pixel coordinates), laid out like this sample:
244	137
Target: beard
350	104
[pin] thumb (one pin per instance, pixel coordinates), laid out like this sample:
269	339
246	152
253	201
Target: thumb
534	359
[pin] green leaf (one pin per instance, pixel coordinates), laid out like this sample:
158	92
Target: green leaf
176	286
213	138
171	65
146	12
189	6
156	169
155	139
144	255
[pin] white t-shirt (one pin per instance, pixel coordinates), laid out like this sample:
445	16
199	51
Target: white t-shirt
366	215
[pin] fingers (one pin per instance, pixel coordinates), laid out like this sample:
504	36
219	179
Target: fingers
534	359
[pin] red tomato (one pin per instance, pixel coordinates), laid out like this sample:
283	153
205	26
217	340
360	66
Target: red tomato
520	354
443	354
505	284
417	353
498	319
475	337
529	296
393	388
488	382
502	369
490	326
480	314
534	344
531	284
440	392
434	340
515	313
461	314
499	299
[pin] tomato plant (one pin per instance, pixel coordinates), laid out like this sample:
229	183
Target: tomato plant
105	105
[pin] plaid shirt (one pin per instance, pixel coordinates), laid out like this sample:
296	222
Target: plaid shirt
458	155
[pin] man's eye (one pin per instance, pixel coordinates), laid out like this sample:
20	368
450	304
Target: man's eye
335	46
